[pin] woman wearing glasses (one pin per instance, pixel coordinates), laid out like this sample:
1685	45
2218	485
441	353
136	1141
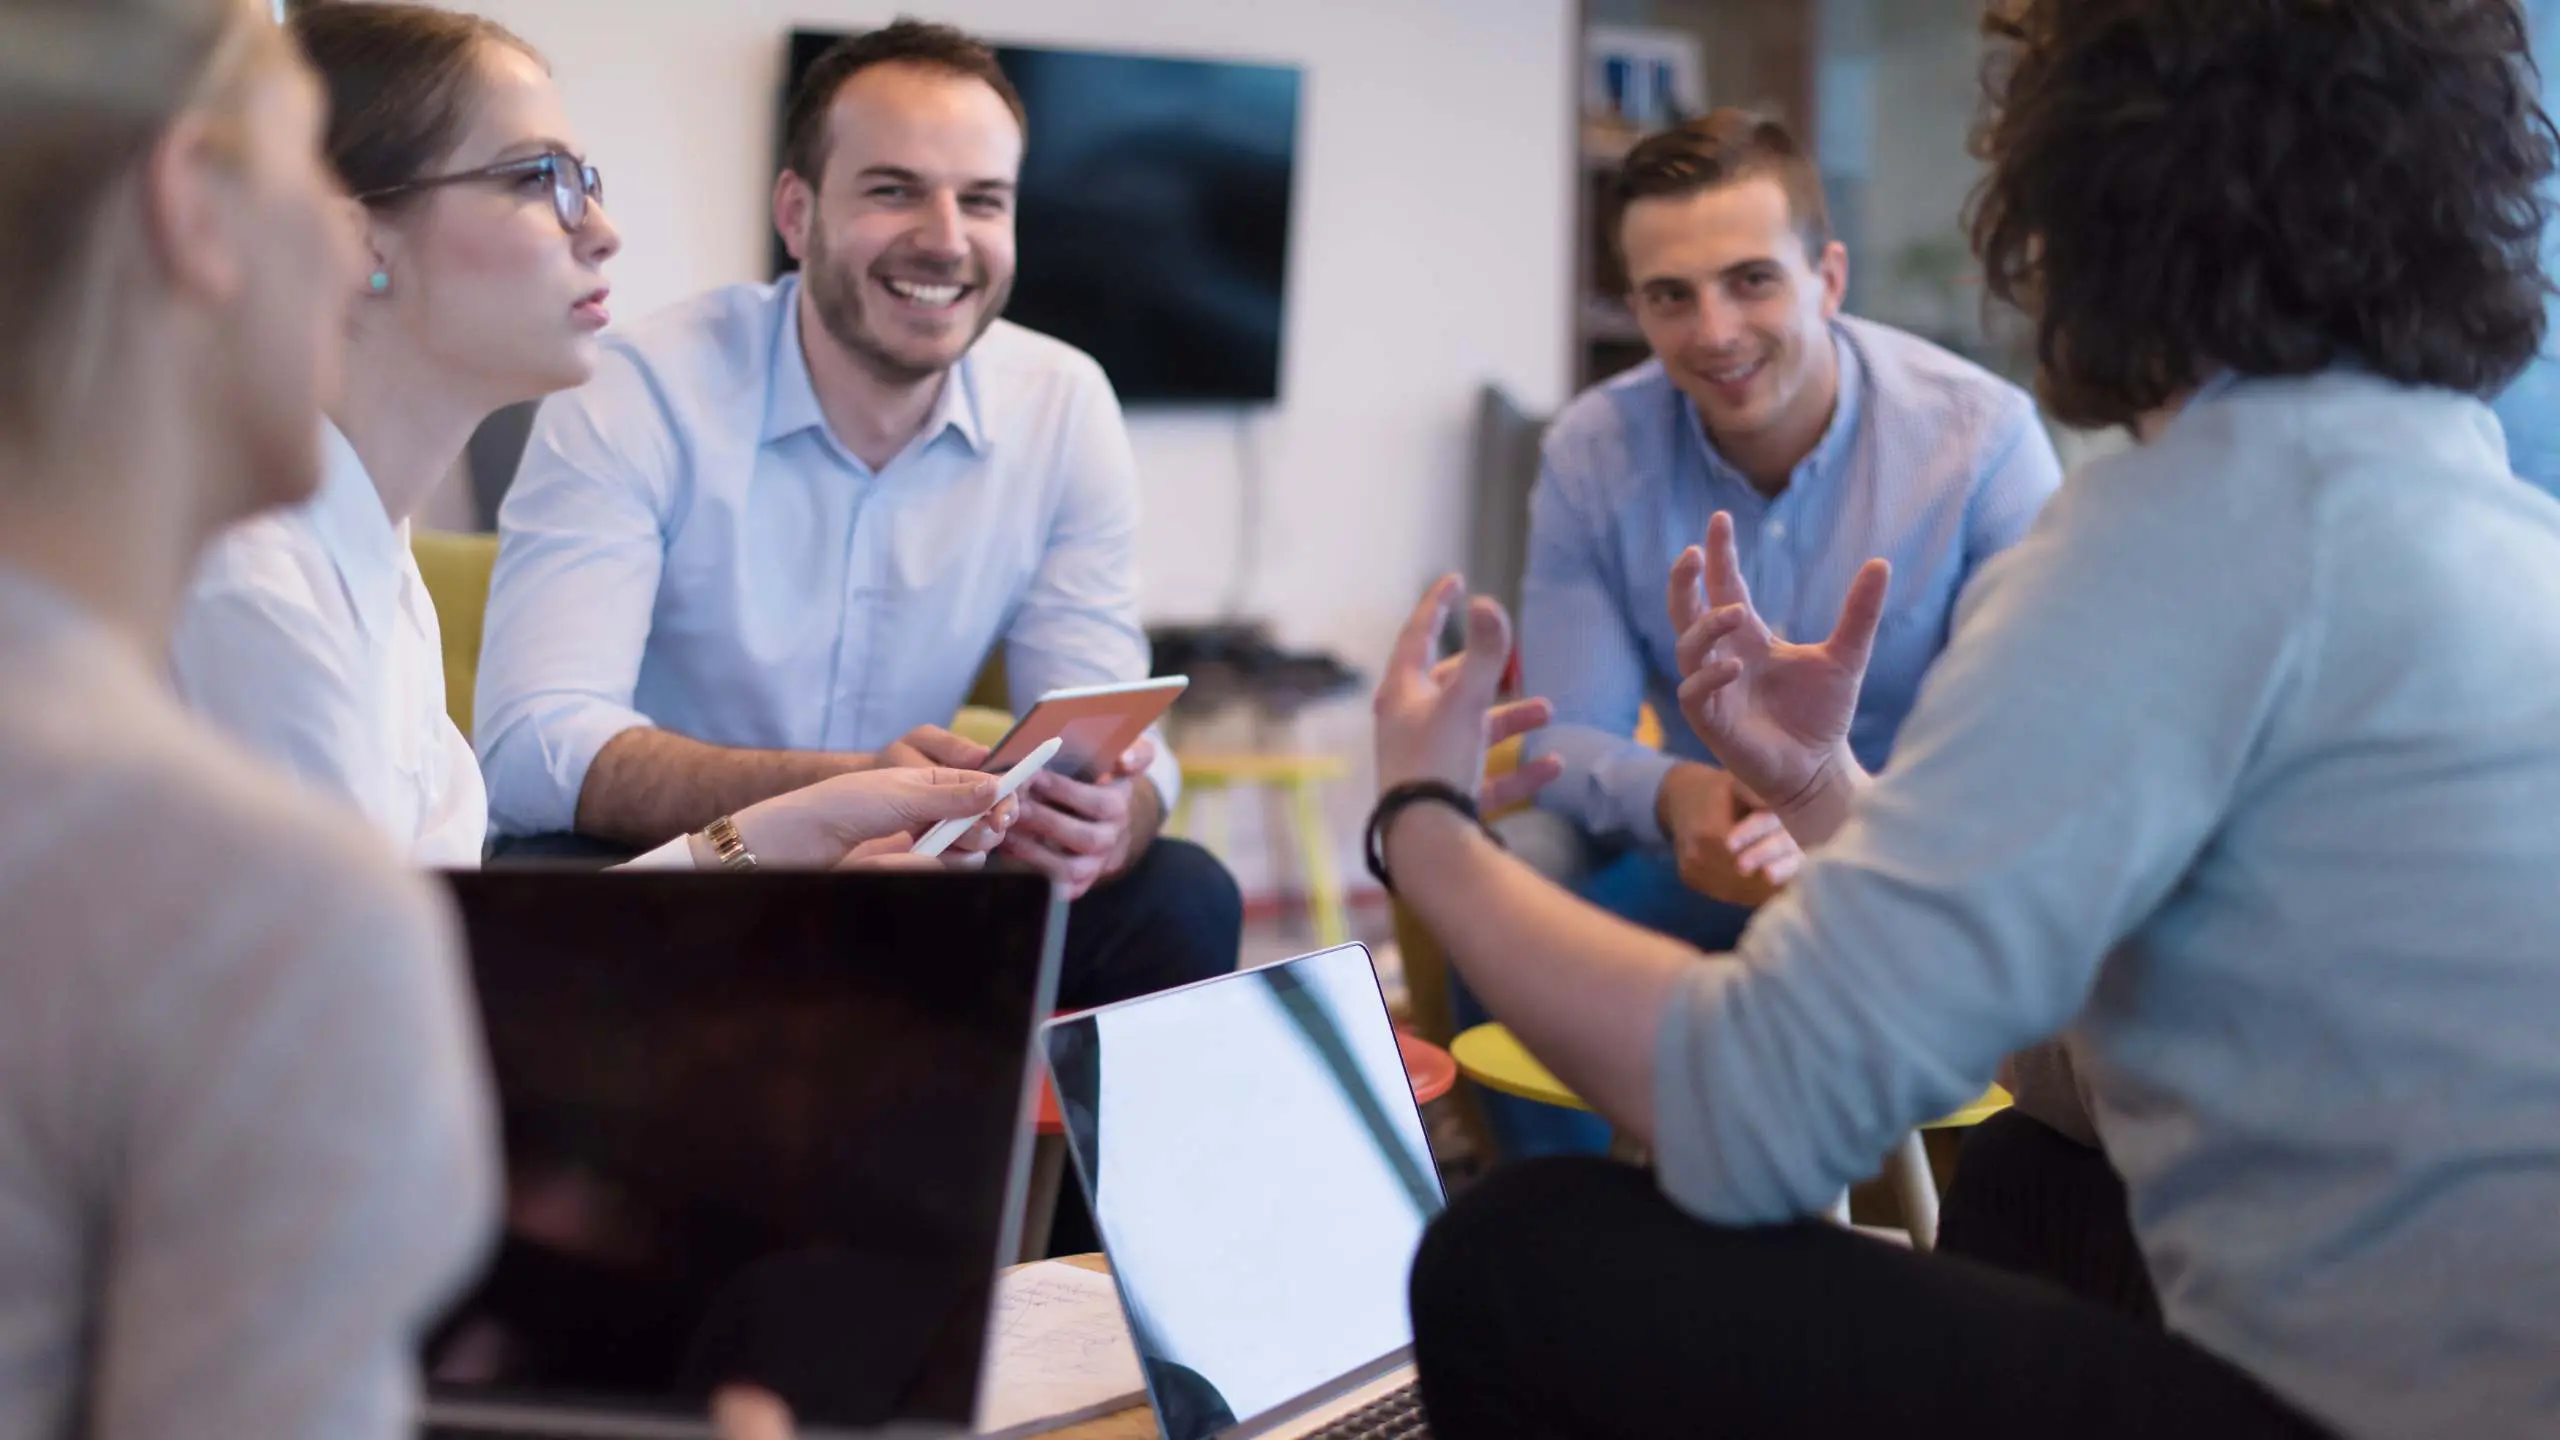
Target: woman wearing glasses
309	634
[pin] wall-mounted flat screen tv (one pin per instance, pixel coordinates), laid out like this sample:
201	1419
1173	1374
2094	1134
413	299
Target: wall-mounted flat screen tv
1153	222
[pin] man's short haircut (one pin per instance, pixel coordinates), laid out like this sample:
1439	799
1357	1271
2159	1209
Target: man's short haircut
1723	147
904	42
2274	187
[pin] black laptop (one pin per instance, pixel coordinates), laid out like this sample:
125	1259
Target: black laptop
762	1129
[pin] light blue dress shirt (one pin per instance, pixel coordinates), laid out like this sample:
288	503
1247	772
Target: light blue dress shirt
688	546
2240	765
1931	462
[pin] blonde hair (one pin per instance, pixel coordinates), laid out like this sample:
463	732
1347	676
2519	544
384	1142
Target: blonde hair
87	88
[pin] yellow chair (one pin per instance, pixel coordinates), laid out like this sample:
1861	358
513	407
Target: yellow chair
1301	778
1493	1057
456	568
981	724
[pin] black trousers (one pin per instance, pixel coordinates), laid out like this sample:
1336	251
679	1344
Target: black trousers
2032	1201
1567	1297
1172	918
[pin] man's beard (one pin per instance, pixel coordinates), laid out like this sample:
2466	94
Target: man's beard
837	291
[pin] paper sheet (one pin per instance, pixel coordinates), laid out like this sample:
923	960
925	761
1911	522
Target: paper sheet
1058	1351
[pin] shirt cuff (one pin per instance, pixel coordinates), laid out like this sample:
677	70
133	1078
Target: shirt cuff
1165	773
1634	778
537	765
1612	787
676	854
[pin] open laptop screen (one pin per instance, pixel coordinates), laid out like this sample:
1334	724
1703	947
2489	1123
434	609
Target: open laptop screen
1259	1174
758	1128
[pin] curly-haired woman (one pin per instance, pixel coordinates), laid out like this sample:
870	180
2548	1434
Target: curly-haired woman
2241	766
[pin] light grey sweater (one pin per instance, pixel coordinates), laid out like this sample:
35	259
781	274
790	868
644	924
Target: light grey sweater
2252	749
246	1142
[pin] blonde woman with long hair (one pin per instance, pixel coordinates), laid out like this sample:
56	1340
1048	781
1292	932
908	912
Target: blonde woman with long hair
245	1144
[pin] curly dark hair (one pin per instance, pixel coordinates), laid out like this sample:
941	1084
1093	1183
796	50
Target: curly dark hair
2268	186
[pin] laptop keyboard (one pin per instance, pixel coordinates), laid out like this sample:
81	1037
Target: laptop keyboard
1397	1417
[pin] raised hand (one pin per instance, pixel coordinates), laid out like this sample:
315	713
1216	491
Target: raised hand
1774	713
1435	721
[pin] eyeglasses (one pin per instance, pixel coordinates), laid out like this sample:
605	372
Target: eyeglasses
573	183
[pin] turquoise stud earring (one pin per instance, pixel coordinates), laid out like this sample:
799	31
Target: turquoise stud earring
381	281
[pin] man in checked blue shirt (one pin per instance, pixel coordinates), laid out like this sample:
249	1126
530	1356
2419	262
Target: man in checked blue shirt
778	534
1831	440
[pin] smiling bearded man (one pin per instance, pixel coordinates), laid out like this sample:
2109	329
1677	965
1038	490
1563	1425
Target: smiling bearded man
778	535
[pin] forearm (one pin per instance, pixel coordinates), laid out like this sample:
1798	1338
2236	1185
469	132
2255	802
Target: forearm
1582	989
647	785
1816	812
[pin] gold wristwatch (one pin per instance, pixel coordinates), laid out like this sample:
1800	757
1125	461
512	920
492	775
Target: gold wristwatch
728	844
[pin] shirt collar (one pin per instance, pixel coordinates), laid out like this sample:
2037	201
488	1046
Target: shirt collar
359	538
791	406
1830	453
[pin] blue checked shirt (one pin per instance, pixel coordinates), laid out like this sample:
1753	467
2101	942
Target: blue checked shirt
1931	462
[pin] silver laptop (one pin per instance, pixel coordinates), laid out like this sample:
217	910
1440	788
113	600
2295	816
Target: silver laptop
768	1129
1257	1170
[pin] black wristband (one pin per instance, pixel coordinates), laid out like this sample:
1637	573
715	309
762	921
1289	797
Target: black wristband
1401	797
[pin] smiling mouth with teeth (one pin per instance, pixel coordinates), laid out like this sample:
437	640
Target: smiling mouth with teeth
933	296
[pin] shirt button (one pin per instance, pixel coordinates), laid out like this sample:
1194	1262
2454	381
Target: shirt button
1777	529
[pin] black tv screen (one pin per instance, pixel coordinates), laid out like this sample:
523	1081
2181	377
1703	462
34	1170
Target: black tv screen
1153	222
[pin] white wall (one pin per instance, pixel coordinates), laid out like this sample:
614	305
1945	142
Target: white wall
1431	251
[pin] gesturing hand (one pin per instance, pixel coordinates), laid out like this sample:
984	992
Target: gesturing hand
1435	721
1774	713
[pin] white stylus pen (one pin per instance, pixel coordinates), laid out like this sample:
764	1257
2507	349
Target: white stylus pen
942	836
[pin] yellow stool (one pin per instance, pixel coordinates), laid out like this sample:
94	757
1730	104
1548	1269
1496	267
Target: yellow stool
1493	1057
1302	778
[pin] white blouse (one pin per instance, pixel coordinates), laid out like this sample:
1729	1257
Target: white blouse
309	636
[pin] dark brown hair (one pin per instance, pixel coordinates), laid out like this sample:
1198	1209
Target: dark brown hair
401	80
1720	148
903	42
2268	186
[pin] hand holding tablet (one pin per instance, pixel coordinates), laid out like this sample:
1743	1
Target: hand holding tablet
1095	725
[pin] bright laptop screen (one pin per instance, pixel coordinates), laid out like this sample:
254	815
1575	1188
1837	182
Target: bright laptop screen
1259	1175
